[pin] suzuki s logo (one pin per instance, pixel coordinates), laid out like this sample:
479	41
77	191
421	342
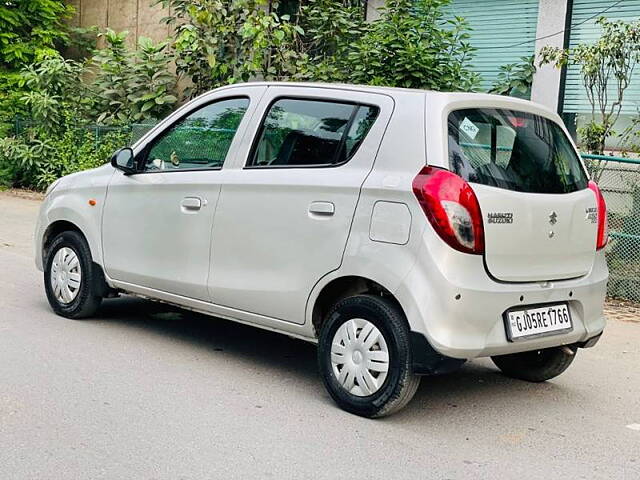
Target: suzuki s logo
553	218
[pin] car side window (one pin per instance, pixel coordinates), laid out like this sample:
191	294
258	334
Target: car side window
201	140
298	133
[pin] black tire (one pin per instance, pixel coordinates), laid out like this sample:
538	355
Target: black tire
536	365
400	383
88	297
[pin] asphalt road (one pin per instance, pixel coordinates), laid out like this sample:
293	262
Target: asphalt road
144	391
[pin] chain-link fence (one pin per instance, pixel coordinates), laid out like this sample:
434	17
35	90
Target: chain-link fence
619	181
98	132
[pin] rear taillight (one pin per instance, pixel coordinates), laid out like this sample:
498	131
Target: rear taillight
452	208
603	229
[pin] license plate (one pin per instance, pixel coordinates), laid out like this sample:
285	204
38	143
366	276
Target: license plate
537	320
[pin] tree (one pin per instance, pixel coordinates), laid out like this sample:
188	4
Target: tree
411	45
330	26
515	79
218	42
54	92
133	86
606	67
29	31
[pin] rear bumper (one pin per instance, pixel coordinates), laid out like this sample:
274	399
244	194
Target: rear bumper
427	361
459	308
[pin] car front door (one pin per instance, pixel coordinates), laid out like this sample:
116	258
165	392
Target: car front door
288	199
157	223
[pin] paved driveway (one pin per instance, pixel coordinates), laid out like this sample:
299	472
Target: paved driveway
145	391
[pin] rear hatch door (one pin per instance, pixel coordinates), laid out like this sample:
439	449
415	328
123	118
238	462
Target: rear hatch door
536	237
539	216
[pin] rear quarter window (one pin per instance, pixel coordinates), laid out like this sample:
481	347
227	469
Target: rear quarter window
513	150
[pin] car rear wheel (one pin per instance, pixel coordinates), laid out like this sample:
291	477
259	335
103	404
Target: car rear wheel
364	356
71	279
536	365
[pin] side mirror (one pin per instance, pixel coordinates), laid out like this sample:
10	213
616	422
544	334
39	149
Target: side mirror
123	160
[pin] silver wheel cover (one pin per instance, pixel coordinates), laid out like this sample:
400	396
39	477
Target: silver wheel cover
359	357
65	275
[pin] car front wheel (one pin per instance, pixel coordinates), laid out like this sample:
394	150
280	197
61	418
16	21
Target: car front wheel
364	356
70	277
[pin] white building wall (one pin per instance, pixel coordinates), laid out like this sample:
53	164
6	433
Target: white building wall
552	16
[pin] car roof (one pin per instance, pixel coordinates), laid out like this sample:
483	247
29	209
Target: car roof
341	86
440	97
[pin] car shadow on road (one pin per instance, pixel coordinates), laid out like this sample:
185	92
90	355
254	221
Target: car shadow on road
477	386
242	342
477	389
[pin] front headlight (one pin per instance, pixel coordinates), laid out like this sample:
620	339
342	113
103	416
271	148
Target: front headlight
51	187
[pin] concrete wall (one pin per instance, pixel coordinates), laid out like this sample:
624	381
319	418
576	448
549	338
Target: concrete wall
372	9
138	17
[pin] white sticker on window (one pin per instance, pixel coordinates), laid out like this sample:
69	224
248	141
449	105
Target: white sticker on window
469	128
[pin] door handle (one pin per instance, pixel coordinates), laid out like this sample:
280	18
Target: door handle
322	208
191	204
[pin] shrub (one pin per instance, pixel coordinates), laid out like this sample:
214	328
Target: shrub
218	42
12	173
516	79
411	45
330	26
36	158
55	91
133	86
29	31
10	104
128	87
75	151
58	105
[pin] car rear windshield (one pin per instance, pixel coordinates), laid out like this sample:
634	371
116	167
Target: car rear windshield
513	150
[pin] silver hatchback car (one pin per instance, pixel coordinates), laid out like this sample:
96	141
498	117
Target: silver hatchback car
403	231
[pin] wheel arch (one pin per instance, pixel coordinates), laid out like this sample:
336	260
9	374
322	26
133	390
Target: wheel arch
59	226
341	287
68	214
425	359
54	229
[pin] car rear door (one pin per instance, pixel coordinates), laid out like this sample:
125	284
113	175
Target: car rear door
286	207
539	215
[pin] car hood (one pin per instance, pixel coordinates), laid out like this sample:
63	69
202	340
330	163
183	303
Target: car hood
96	177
